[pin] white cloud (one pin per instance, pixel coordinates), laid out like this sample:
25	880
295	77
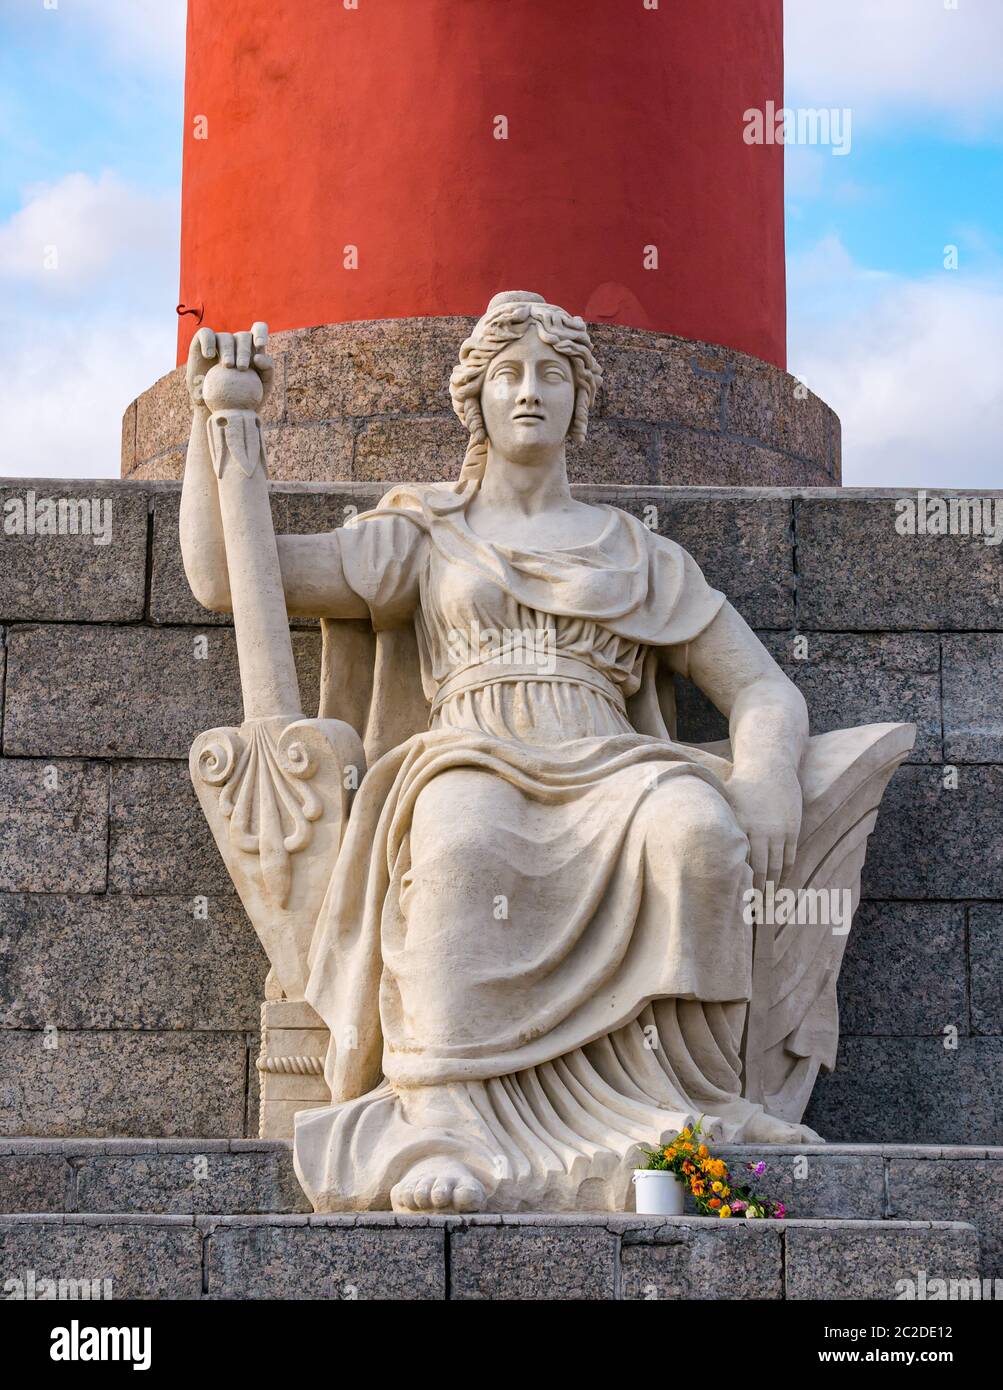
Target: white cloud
84	340
889	57
150	32
84	234
911	366
68	384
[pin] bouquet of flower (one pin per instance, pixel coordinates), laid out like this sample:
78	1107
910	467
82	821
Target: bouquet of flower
714	1189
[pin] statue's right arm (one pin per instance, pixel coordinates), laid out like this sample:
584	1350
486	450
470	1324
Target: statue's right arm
203	548
313	576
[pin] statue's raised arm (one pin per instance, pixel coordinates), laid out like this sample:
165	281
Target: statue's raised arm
279	784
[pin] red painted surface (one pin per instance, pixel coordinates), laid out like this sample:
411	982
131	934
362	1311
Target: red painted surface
373	127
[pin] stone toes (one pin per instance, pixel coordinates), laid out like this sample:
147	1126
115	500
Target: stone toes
423	1193
442	1192
468	1196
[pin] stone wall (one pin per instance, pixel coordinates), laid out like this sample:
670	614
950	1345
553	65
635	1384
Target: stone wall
122	1014
369	401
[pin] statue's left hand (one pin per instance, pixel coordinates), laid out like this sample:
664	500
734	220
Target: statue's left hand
244	351
768	808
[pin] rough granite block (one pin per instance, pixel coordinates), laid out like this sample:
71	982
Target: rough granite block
703	1259
850	678
742	543
532	1262
69	577
171	599
34	1182
813	1184
128	449
300	453
303	511
379	368
952	1190
614	451
938	841
694	458
895	1090
165	467
135	691
985	949
204	1183
856	572
416	448
159	839
331	1261
973	710
122	1083
53	826
760	403
905	970
644	383
868	1259
141	1259
114	961
163	416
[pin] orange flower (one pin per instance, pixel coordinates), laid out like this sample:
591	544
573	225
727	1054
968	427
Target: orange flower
688	1167
703	1151
714	1202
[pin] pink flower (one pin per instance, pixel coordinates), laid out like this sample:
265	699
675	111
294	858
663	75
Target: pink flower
779	1211
738	1205
758	1168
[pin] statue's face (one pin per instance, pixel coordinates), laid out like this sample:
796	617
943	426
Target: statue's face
528	398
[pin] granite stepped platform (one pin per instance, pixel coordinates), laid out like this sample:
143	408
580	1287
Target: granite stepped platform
189	1219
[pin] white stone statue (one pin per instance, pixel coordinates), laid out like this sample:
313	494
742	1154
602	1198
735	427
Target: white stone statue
519	910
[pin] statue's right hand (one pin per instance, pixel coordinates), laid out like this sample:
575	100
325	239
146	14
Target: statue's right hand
245	351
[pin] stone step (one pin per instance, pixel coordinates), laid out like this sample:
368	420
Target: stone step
379	1255
215	1176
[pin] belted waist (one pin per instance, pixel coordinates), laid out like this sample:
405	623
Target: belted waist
558	668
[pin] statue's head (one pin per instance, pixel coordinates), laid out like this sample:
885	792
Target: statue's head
526	378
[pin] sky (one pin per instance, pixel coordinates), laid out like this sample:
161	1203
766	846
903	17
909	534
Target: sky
901	334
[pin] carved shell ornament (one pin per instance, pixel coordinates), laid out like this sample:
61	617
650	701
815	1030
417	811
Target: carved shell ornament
266	797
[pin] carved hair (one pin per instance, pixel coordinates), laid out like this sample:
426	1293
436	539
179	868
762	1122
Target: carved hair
507	318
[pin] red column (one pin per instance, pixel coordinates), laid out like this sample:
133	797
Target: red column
374	127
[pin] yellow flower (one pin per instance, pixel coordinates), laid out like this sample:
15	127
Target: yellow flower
703	1151
725	1211
717	1186
687	1132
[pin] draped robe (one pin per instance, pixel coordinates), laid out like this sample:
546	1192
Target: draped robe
532	955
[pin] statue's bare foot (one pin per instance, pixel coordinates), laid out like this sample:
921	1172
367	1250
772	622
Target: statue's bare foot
767	1129
438	1184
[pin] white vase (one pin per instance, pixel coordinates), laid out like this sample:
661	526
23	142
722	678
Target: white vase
657	1193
